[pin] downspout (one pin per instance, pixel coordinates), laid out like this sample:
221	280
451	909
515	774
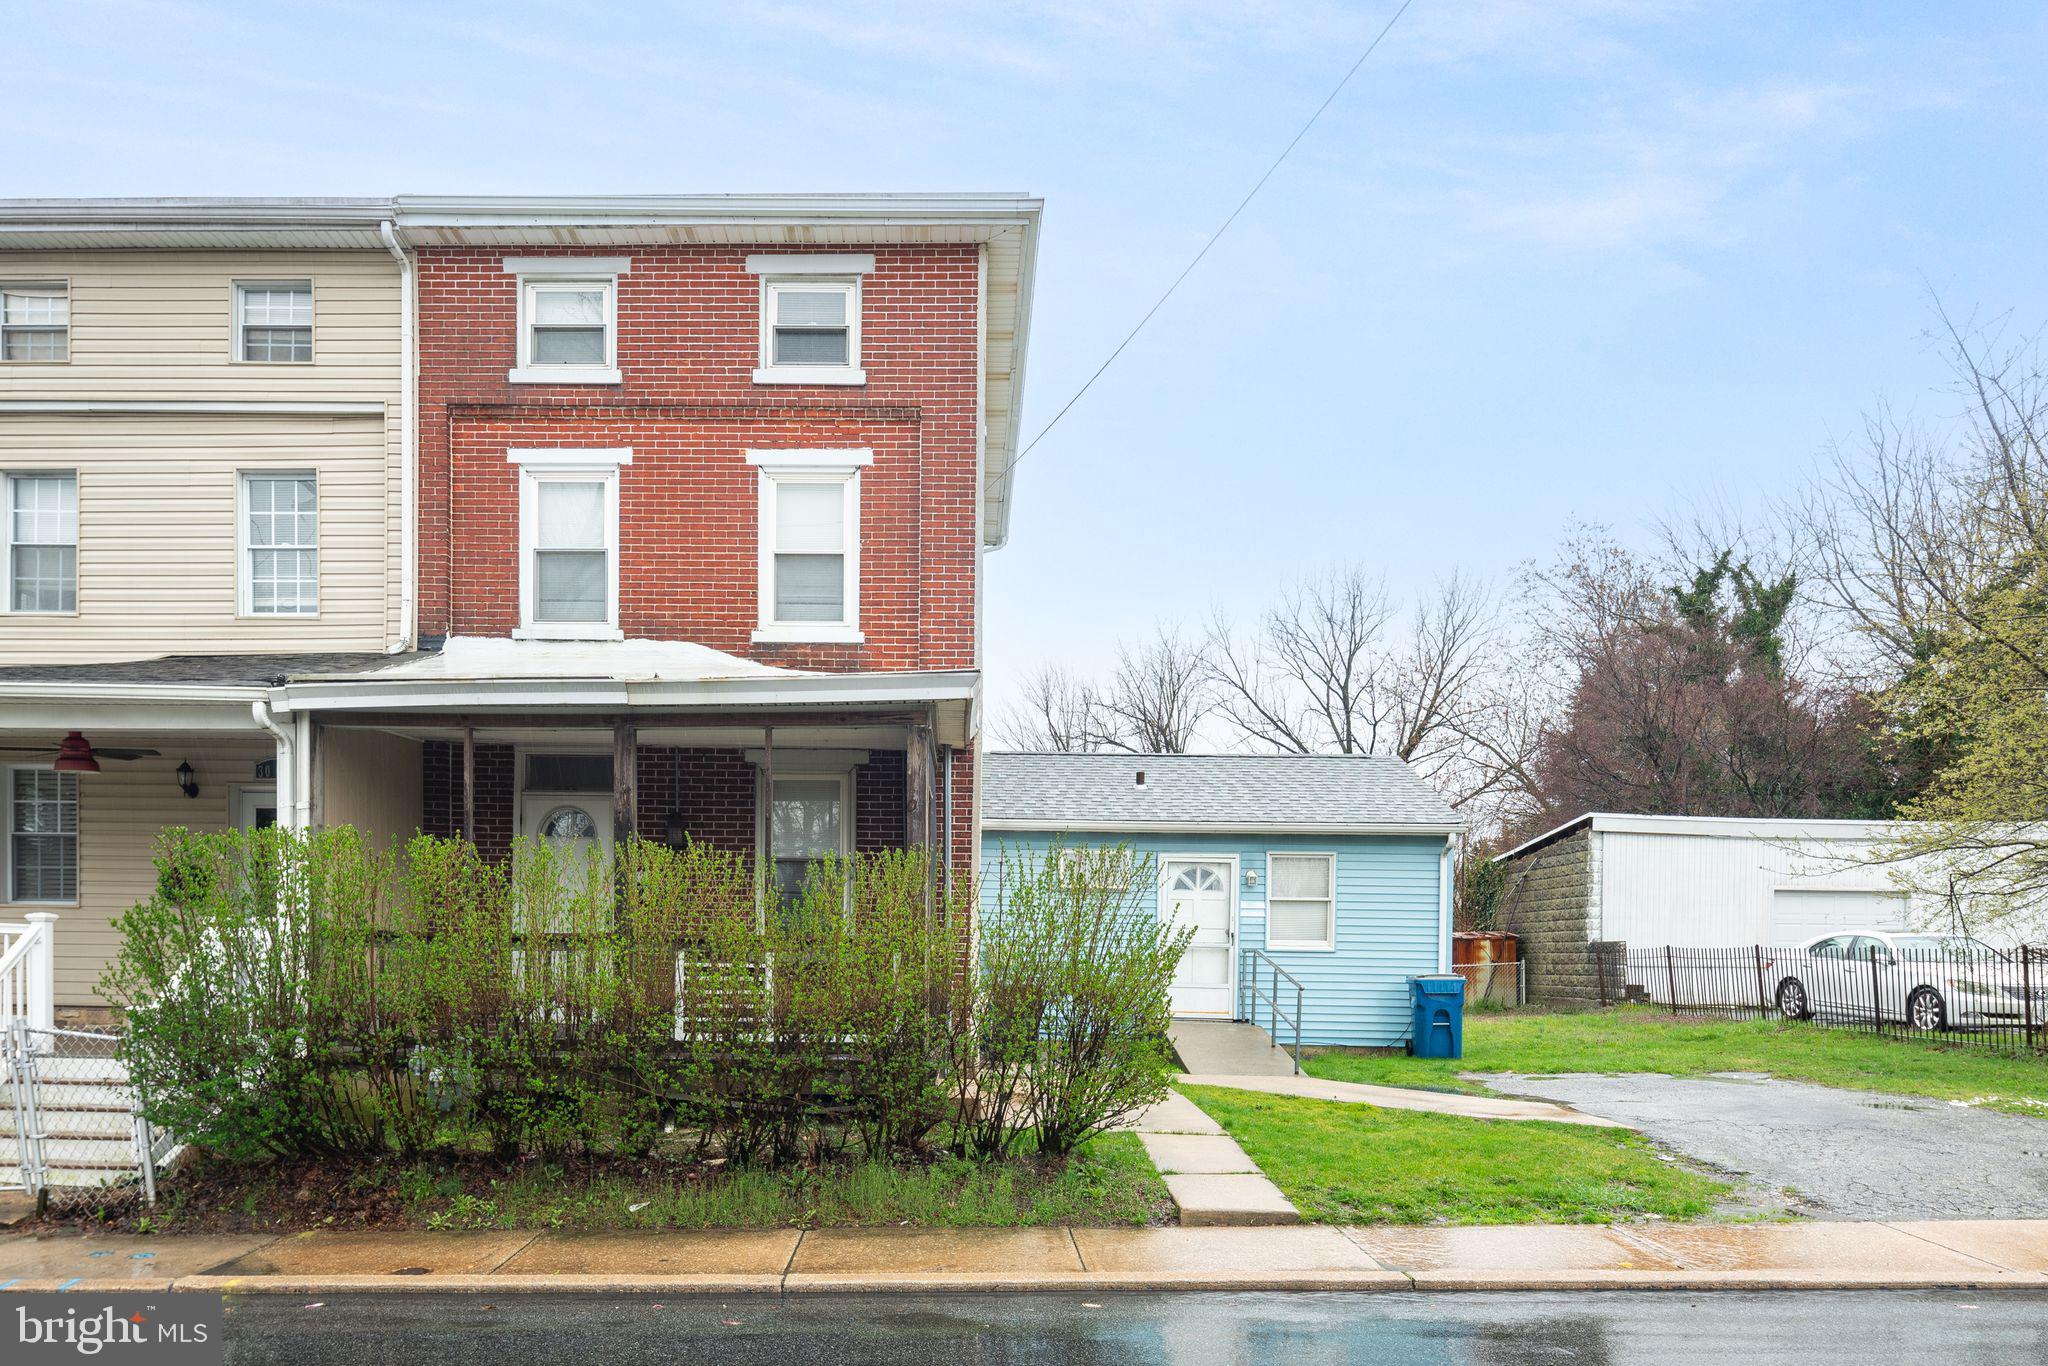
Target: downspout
287	761
1444	893
408	445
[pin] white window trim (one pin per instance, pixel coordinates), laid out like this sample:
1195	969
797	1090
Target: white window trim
570	466
7	898
809	467
70	323
244	578
7	478
767	371
597	270
1298	945
238	353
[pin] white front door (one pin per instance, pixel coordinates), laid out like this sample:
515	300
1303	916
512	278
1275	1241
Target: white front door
1197	894
567	820
255	808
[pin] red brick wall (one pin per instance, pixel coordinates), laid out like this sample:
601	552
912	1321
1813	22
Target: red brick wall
441	794
711	789
688	344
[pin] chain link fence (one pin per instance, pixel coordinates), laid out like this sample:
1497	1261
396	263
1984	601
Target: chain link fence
1502	984
68	1122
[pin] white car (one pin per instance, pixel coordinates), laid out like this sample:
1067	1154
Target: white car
1928	981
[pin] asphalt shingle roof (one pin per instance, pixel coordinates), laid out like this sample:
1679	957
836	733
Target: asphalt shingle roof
1307	791
232	671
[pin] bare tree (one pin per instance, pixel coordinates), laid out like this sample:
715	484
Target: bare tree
1059	714
1330	668
1158	696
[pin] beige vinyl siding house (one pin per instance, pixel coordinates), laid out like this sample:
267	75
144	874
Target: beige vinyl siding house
159	418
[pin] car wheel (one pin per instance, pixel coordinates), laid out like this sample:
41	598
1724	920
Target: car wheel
1792	1002
1926	1010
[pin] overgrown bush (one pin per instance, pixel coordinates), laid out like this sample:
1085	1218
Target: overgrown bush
1070	1003
292	994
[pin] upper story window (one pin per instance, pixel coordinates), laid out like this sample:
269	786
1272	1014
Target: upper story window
35	321
569	543
810	318
568	319
810	544
274	320
42	542
280	543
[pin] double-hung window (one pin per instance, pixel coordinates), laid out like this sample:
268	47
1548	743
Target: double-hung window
42	542
35	321
274	320
280	543
568	319
42	835
1301	901
810	544
810	318
569	543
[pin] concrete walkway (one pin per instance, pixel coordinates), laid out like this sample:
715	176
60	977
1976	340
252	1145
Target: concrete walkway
1401	1098
1210	1178
1955	1254
1228	1047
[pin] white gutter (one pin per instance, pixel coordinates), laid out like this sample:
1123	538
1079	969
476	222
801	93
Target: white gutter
52	689
376	691
408	440
122	407
287	762
1448	867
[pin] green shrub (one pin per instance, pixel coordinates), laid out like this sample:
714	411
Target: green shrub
1070	1001
290	994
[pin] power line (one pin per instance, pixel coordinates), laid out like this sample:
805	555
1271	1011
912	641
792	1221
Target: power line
1214	237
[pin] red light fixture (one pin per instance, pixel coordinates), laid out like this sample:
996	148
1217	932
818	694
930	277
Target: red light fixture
75	756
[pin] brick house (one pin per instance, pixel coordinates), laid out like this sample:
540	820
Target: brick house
678	531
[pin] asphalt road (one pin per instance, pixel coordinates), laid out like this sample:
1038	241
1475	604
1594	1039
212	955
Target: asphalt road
1847	1154
1955	1329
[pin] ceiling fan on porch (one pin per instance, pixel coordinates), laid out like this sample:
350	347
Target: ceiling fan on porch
75	754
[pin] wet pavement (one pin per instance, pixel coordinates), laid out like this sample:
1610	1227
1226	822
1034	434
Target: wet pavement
1839	1154
1764	1329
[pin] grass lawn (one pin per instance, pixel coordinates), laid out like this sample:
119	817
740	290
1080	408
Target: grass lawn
1639	1039
1110	1182
1355	1164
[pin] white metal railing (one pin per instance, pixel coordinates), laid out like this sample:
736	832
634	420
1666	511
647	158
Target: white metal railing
28	970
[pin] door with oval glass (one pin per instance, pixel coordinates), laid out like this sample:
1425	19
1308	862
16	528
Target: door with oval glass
1197	894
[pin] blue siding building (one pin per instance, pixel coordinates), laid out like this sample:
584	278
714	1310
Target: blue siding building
1334	867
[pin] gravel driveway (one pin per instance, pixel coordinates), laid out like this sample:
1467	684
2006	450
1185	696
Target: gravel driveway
1844	1154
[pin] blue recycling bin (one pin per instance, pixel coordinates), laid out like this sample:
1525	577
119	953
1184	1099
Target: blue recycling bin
1439	1016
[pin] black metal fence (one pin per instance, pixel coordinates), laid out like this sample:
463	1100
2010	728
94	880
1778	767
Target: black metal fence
1959	990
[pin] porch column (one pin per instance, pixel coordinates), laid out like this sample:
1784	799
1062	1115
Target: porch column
469	782
917	788
625	779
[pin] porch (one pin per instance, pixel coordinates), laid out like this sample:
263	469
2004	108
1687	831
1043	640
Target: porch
489	739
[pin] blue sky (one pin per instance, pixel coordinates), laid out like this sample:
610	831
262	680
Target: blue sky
1544	259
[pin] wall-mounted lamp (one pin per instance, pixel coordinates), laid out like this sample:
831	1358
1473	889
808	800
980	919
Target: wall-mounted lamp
1251	877
672	832
187	784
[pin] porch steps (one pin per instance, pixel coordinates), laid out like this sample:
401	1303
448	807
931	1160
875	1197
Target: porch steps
86	1112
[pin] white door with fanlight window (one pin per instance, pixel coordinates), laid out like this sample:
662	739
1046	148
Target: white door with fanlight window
1200	895
575	824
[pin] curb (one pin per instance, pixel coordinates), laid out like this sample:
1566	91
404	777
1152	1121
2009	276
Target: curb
798	1283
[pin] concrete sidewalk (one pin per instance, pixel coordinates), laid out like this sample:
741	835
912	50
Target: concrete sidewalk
1986	1254
1400	1098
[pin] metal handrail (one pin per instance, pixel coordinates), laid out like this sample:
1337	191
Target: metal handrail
1249	993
